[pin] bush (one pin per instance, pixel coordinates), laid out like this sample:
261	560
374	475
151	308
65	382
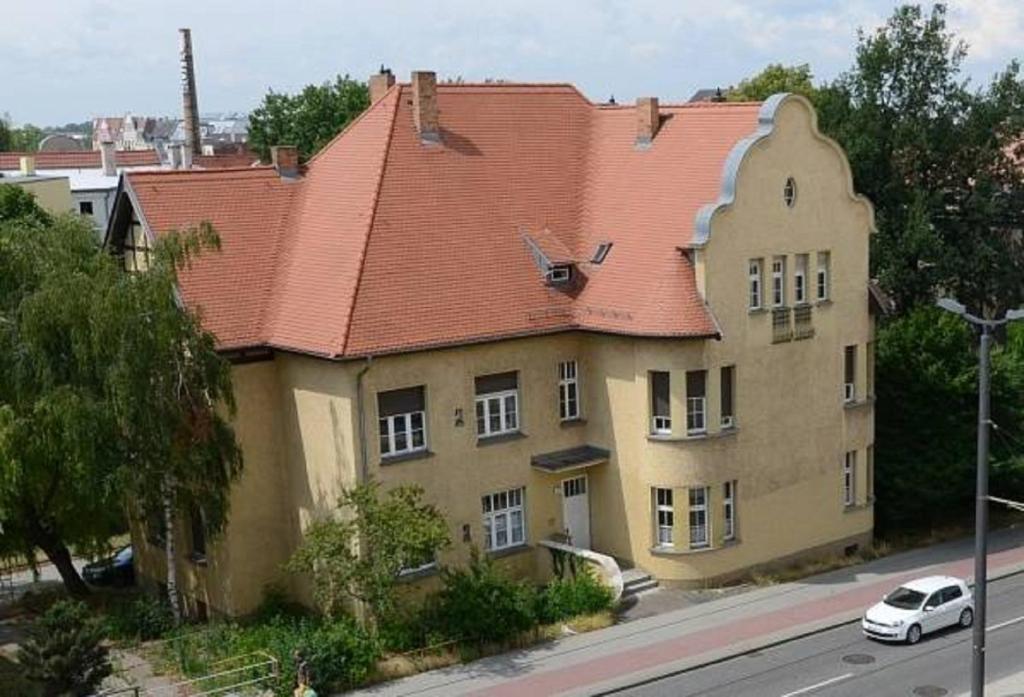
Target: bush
138	618
481	604
582	594
276	603
64	654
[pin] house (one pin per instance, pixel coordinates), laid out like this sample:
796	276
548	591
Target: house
643	329
52	193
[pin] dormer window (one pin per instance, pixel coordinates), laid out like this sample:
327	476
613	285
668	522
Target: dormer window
601	252
559	274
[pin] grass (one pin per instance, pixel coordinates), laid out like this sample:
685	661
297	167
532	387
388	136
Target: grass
14	682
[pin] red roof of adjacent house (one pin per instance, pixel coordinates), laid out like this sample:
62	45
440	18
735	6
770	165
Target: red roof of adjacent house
389	244
85	159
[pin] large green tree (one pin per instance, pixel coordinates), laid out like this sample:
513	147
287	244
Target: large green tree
308	119
775	78
110	392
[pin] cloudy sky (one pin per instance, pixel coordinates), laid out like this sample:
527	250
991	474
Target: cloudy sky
68	60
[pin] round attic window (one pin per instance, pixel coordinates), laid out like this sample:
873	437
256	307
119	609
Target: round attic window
789	192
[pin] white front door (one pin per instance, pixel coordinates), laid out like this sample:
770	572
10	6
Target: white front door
576	511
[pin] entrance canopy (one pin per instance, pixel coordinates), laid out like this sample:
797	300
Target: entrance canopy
570	459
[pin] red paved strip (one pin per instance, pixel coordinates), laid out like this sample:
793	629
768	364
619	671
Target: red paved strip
695	643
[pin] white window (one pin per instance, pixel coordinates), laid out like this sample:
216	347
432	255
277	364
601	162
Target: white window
696	401
568	391
823	276
849	374
800	280
754	275
402	421
778	281
664	516
661	413
559	274
497	404
504	522
699	528
849	468
729	504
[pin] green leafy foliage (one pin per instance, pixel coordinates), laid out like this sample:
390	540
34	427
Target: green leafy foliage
775	78
16	203
64	654
308	119
138	618
360	555
580	594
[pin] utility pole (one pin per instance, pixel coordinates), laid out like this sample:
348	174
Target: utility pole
985	326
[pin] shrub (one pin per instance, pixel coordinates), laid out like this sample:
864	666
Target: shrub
138	618
481	604
276	603
582	594
64	654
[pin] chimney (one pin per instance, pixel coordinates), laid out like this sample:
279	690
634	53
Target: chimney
424	105
186	156
28	165
109	158
189	102
285	159
647	120
380	83
175	154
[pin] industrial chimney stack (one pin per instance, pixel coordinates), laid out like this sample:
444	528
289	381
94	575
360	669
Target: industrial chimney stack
189	103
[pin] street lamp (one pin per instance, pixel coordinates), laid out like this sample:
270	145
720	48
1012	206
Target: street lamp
981	503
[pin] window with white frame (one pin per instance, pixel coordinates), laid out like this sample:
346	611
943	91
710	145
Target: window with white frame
696	401
664	517
402	421
779	281
728	386
849	374
568	391
497	404
729	508
754	284
849	483
504	520
700	530
824	281
661	411
800	280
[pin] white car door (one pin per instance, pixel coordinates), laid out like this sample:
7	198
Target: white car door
931	616
953	603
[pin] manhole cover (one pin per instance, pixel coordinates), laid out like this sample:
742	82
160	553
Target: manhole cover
930	691
859	659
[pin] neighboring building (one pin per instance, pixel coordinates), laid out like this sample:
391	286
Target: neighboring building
52	193
642	328
60	142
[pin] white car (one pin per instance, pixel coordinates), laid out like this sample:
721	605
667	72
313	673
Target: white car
919	607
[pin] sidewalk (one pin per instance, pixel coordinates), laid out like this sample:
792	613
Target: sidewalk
1011	686
675	641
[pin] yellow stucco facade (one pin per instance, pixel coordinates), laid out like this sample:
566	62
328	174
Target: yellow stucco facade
53	194
785	457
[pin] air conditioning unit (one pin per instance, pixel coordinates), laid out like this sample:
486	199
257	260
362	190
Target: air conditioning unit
848	391
726	422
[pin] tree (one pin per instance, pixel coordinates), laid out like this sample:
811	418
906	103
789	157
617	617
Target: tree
5	136
16	202
107	387
360	555
26	138
65	654
308	119
935	158
774	79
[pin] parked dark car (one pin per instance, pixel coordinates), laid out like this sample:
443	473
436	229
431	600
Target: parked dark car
116	570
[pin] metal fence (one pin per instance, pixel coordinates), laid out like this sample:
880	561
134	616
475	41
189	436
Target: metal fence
239	673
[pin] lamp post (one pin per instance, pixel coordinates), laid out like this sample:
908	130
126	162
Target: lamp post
981	503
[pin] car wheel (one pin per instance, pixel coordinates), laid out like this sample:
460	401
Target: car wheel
966	617
914	634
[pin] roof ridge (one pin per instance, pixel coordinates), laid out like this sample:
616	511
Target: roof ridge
372	220
351	124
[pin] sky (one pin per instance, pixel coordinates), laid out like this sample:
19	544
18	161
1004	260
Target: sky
69	60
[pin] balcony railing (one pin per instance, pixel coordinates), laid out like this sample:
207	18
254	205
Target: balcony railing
781	328
803	326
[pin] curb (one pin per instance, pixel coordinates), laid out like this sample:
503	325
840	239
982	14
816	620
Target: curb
654	675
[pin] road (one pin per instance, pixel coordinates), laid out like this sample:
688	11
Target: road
843	663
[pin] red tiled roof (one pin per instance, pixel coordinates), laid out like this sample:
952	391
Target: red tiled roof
225	160
389	244
85	159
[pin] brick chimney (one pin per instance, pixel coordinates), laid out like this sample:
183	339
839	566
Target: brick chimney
174	153
380	84
28	165
285	159
186	156
647	120
189	101
424	105
108	157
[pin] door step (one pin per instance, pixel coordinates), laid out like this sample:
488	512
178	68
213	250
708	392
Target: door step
636	581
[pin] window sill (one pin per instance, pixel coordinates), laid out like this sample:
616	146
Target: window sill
757	310
570	423
858	403
509	551
823	303
482	441
681	551
386	460
857	507
695	438
420	573
197	559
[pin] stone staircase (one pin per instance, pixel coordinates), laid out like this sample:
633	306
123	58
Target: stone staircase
636	581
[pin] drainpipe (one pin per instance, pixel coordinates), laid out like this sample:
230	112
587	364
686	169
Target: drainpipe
360	409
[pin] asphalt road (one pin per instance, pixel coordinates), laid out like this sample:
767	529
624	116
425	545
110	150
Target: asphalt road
842	662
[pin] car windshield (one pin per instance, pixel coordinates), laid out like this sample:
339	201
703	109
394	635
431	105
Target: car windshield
905	599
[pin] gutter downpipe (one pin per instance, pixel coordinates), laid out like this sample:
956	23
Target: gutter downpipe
360	413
